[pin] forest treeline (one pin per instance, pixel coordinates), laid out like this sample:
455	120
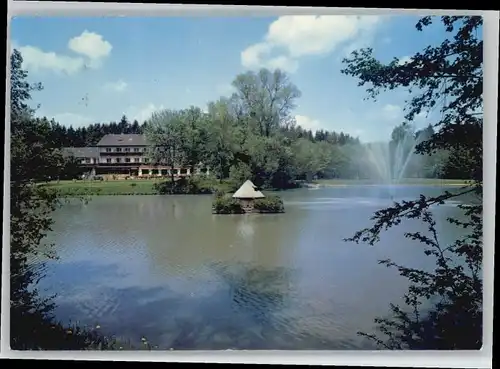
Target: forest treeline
90	135
253	134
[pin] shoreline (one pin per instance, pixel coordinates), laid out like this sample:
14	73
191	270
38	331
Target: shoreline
395	185
71	189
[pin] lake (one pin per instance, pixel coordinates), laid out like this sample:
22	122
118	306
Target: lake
165	268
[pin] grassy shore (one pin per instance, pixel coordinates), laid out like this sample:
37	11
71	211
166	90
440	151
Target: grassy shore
146	187
118	187
406	182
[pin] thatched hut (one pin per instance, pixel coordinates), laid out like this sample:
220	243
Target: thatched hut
247	194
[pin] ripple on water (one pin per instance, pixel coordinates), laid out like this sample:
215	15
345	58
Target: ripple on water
188	280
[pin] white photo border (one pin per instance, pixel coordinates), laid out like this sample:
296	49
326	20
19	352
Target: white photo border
456	359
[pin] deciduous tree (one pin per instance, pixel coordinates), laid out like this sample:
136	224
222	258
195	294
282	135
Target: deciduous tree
448	76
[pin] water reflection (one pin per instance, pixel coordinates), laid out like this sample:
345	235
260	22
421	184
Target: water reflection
165	267
248	310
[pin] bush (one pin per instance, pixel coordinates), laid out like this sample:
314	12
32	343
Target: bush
224	204
182	186
271	204
218	193
195	185
238	174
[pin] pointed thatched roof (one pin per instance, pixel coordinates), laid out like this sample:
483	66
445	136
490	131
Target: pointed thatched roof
248	191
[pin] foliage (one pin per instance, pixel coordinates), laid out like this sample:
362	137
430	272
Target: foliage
255	129
239	173
450	73
269	204
33	159
183	186
225	204
165	131
90	135
309	158
267	100
251	134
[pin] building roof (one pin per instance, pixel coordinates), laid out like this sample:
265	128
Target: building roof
81	152
123	140
248	191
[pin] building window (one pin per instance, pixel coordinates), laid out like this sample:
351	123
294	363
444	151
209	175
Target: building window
146	160
118	160
108	149
127	160
118	149
127	149
137	160
136	149
108	160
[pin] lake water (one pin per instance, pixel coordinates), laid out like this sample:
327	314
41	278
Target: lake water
165	268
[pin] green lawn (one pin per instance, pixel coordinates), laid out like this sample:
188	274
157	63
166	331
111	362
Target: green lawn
406	181
118	187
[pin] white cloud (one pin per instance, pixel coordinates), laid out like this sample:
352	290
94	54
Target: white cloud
118	86
307	123
295	36
35	59
143	113
392	112
70	119
257	56
91	47
404	60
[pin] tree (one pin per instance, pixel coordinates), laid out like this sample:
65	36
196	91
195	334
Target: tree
309	158
267	98
195	133
402	132
222	137
136	128
166	136
124	125
33	160
401	148
453	70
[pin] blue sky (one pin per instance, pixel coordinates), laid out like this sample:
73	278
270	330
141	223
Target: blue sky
97	69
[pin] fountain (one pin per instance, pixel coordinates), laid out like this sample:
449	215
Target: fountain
390	159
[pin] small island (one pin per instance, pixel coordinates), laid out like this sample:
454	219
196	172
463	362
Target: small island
248	199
